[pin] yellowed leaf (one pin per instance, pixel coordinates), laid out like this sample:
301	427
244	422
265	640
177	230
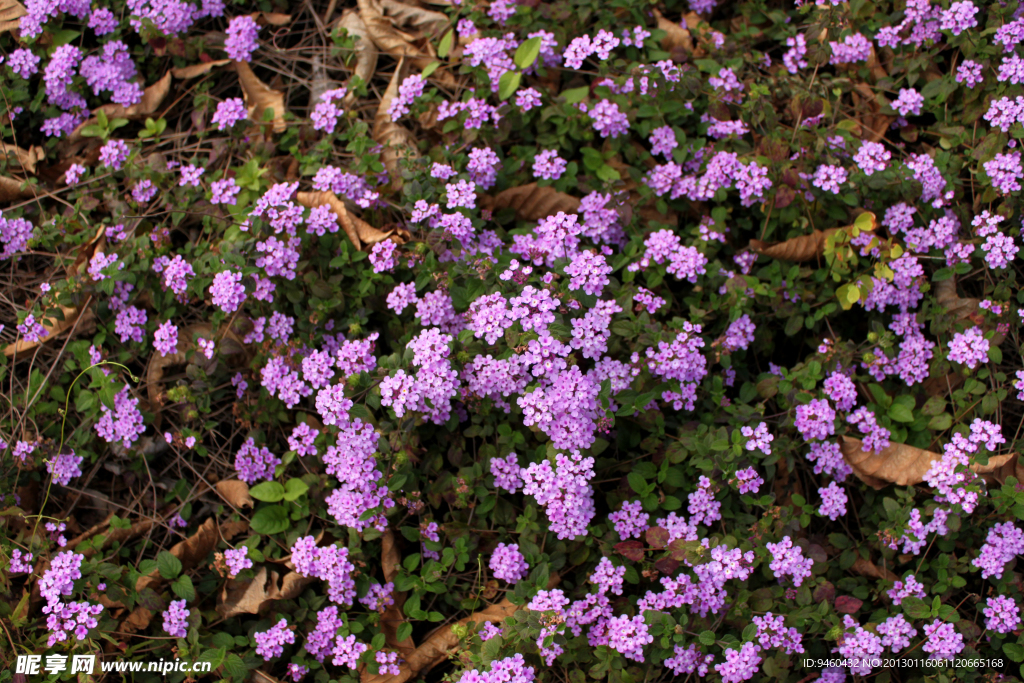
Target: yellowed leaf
192	70
675	34
13	189
365	49
871	570
531	202
25	158
397	140
235	492
359	232
271	18
899	464
53	326
803	248
11	12
259	97
435	648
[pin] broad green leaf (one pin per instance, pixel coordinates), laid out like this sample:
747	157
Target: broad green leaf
183	587
527	53
267	491
443	48
168	565
272	519
508	84
574	95
431	68
294	488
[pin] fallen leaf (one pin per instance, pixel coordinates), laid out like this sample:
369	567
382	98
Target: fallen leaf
631	550
159	363
192	70
398	141
434	649
962	310
235	492
365	49
873	123
900	464
249	597
871	570
803	248
393	617
388	39
531	202
191	552
675	34
55	328
1011	468
657	537
848	605
110	536
259	97
359	231
24	158
13	189
261	677
11	12
424	21
271	18
152	98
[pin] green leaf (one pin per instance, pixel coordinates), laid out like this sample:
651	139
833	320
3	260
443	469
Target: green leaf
916	608
941	423
267	491
443	48
901	413
848	295
637	482
431	68
574	95
215	657
508	84
183	587
404	631
93	131
527	53
168	565
1014	651
294	488
271	519
235	667
995	354
607	173
707	638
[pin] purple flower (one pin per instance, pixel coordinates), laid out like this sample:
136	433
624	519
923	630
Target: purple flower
748	480
829	178
872	157
630	521
124	423
270	643
410	89
1005	172
20	564
237	560
969	73
508	564
190	175
381	256
548	165
227	291
909	102
176	619
229	112
833	501
527	99
113	154
255	464
1001	613
758	439
788	560
969	348
815	420
461	193
64	467
241	40
608	120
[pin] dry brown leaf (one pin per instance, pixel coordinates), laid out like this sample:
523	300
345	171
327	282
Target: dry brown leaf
900	464
55	328
235	492
803	248
13	189
110	536
192	70
271	18
389	39
249	597
259	97
190	552
961	309
262	677
365	49
24	158
531	202
159	363
152	98
397	140
675	34
423	21
434	649
871	570
11	12
873	123
359	232
1011	468
393	617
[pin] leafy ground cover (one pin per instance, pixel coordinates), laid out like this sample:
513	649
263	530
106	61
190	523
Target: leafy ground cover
507	341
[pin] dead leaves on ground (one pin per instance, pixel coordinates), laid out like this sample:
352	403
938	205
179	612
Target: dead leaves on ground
676	35
434	650
900	464
805	247
249	597
398	141
365	49
191	553
259	97
11	12
22	158
152	97
54	326
871	123
359	231
184	73
389	38
531	202
871	570
235	492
